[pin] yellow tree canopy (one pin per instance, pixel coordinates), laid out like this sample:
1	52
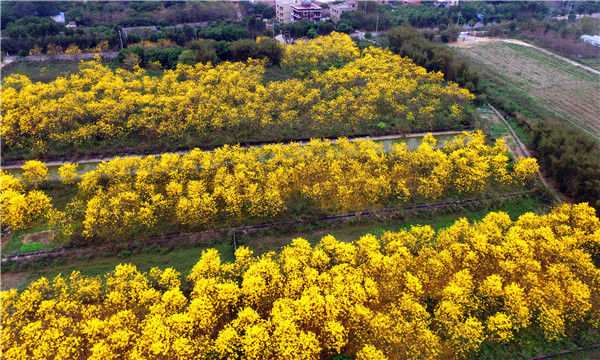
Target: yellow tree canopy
415	294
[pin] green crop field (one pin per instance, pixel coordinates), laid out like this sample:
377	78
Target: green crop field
44	71
537	85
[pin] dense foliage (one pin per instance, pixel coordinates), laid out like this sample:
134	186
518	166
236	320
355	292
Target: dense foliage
37	35
208	105
145	54
323	51
301	28
410	42
571	158
122	13
561	36
382	298
131	196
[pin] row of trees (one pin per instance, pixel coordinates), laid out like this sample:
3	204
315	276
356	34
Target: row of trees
210	104
414	294
560	36
125	198
35	32
571	158
409	41
121	13
239	50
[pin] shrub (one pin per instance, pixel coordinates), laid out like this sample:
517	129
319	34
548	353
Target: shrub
187	57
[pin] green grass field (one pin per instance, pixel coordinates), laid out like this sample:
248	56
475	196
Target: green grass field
45	71
526	80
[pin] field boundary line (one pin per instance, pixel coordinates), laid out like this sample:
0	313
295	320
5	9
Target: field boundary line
551	53
564	352
198	237
523	148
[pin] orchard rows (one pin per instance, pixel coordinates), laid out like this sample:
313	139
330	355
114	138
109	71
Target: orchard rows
126	197
416	294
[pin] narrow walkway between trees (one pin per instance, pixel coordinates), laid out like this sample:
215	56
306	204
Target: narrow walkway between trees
17	165
520	144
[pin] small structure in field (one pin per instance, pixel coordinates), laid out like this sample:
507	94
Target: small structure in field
591	39
59	18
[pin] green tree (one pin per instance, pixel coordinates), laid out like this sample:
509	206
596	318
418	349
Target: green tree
204	51
187	57
343	26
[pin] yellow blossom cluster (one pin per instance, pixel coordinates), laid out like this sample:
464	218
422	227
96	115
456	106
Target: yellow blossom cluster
126	197
147	44
53	49
210	105
335	48
415	294
21	208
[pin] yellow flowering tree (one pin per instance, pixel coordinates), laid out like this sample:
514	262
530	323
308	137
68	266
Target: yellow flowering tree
68	173
34	172
21	209
323	50
230	102
375	298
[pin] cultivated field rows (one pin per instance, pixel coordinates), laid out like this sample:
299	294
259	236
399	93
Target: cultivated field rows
569	92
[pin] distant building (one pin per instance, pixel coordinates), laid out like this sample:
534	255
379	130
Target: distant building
283	10
336	10
60	18
266	2
71	25
306	11
591	39
446	3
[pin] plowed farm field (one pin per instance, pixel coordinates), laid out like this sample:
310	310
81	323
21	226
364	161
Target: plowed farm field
547	86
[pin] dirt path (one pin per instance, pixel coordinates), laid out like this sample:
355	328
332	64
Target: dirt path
523	149
12	280
17	165
62	57
475	40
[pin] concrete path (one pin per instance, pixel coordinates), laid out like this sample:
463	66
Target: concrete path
184	152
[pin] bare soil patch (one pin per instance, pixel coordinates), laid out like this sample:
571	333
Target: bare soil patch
44	237
12	280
